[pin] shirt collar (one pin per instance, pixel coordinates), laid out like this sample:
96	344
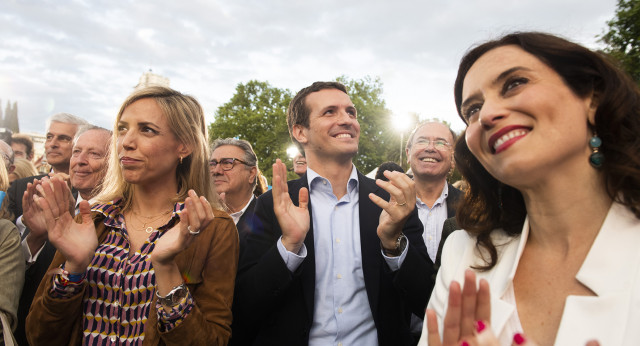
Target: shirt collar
236	216
80	199
247	205
313	177
441	199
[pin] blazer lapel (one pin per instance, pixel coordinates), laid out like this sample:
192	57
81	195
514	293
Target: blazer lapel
452	201
245	221
606	316
369	241
308	275
501	276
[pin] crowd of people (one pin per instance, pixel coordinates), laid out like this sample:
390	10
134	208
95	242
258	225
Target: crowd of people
130	239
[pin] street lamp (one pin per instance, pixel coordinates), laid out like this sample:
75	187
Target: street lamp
401	123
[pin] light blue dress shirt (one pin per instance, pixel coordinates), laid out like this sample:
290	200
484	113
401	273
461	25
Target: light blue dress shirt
342	315
432	220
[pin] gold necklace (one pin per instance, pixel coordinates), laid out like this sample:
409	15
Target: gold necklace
150	220
154	216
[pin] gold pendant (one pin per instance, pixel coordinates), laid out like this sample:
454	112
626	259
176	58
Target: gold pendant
149	230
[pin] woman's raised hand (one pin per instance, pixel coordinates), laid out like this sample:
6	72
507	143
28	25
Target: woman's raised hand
76	241
468	316
196	216
465	307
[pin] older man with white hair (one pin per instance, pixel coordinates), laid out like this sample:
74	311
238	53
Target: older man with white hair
61	129
430	155
88	164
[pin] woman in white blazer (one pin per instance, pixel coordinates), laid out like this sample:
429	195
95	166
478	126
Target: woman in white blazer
552	156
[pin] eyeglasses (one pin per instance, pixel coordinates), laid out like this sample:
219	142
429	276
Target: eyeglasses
226	163
439	144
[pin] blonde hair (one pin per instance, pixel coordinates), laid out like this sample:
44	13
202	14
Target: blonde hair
4	178
24	168
5	213
186	121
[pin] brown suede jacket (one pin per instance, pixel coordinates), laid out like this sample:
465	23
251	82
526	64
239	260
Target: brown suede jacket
210	263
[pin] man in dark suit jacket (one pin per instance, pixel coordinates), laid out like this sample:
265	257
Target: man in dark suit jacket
429	151
430	155
61	130
16	190
246	222
313	271
234	169
450	225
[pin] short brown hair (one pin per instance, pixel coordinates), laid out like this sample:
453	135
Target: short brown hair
24	140
298	112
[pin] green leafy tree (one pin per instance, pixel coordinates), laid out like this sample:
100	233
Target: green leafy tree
379	141
257	113
623	37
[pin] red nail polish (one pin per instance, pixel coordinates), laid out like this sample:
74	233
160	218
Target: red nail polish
480	326
519	339
464	343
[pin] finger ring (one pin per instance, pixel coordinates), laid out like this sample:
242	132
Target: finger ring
192	232
57	218
401	204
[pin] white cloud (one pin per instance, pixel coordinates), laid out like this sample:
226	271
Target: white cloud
84	57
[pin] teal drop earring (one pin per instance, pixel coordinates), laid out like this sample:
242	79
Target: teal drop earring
596	158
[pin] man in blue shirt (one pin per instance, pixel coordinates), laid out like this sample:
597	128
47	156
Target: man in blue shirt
336	258
430	155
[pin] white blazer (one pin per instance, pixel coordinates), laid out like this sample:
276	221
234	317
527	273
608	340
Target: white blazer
611	270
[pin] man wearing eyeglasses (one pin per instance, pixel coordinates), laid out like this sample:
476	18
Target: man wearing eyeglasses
8	156
430	155
61	129
337	258
234	170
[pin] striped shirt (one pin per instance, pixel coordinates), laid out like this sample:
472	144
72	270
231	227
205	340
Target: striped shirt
120	289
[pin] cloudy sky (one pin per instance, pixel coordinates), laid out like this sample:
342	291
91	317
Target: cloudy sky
85	56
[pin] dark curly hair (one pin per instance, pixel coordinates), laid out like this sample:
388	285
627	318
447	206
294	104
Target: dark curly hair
490	204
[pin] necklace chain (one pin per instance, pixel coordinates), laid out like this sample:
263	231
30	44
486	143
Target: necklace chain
152	217
150	220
